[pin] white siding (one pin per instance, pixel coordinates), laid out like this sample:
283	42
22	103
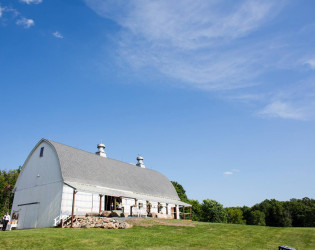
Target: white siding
127	203
154	208
38	191
84	202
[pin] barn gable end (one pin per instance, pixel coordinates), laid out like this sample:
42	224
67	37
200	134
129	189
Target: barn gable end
38	189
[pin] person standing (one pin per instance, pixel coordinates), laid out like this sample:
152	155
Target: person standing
6	220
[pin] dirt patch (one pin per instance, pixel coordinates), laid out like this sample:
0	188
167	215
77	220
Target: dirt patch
149	222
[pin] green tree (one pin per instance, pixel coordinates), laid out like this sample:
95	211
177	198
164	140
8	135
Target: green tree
235	215
213	211
196	210
256	217
7	183
180	191
246	213
302	212
277	215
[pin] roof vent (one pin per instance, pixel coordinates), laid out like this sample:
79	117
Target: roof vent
101	151
140	162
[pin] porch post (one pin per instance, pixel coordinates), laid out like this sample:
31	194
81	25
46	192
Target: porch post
101	196
73	202
166	208
121	204
184	211
133	207
177	212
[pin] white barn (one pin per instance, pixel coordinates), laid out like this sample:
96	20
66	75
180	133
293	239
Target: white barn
58	181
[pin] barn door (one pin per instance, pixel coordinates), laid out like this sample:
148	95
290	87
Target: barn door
28	216
21	218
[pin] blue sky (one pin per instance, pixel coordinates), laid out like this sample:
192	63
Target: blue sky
217	95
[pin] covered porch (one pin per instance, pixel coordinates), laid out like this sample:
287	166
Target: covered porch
129	204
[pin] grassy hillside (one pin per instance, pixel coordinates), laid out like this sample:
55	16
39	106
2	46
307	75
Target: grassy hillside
148	233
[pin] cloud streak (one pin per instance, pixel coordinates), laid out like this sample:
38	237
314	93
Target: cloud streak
25	22
22	21
231	172
282	110
216	46
228	173
4	9
57	35
31	1
311	63
191	49
296	101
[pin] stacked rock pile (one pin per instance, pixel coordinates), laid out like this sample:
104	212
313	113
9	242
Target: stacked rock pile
99	222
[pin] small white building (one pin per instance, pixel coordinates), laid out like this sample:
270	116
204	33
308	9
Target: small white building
58	181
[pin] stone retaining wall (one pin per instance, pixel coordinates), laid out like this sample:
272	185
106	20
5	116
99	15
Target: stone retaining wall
99	222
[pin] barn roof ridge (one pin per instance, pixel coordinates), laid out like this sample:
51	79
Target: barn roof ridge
133	165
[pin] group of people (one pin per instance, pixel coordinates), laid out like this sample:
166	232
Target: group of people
5	220
118	206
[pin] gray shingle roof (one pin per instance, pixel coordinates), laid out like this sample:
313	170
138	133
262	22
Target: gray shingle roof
83	167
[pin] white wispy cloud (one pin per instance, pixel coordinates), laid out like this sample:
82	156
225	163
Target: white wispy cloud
57	35
31	1
217	46
25	22
296	101
1	10
191	49
163	21
233	171
228	173
7	9
310	63
283	110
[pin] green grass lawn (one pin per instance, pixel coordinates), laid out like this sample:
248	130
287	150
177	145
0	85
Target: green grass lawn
162	234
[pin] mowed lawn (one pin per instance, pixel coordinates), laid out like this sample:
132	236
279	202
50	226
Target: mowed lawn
151	234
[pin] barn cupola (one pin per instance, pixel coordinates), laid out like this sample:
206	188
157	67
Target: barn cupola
140	162
101	151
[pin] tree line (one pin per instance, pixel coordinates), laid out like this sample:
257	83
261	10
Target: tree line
7	182
293	213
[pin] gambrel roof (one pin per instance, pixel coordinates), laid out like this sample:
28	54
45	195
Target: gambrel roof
89	172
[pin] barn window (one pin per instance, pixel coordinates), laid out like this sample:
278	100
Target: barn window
41	152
